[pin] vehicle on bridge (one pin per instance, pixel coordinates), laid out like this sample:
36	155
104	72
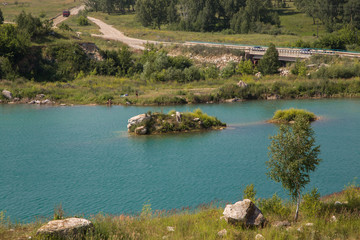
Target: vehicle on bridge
306	51
258	48
66	13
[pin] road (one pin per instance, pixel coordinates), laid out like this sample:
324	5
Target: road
111	33
73	11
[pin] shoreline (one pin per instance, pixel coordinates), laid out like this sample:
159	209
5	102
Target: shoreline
227	101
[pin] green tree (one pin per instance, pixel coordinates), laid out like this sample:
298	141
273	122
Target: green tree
293	155
270	63
152	12
250	193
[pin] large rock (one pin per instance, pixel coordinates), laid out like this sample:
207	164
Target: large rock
7	94
137	119
244	212
69	228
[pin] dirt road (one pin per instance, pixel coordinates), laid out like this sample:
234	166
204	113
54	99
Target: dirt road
74	11
111	33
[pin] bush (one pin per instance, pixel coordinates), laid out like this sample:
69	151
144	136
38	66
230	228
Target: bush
290	115
83	21
33	26
229	70
311	204
250	193
274	205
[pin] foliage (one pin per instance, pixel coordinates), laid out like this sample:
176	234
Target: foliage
293	155
14	43
352	194
250	193
110	6
33	26
152	12
83	21
291	114
274	206
65	27
311	204
269	64
66	60
246	68
299	68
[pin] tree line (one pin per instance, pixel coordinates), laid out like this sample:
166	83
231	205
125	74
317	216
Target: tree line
332	13
239	16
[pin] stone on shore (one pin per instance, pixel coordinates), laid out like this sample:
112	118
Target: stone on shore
66	228
279	224
7	94
222	233
244	212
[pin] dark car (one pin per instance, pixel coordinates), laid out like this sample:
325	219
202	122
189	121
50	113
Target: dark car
66	13
258	48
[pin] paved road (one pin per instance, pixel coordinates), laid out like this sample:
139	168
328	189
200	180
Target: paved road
74	11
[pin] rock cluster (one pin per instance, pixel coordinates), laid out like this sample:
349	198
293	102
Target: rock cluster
244	212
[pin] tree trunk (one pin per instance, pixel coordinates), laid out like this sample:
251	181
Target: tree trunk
297	207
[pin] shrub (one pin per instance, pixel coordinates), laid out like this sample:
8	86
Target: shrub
311	204
229	70
274	205
65	27
83	21
250	193
352	194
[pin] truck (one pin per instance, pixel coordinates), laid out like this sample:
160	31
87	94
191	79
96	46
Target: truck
66	13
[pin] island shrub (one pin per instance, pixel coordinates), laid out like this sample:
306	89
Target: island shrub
289	115
190	121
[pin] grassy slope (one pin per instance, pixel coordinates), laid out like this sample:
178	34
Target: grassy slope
50	8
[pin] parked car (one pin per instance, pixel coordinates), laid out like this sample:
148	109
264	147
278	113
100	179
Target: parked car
66	13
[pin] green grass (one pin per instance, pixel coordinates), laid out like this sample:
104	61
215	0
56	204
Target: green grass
46	8
299	23
92	28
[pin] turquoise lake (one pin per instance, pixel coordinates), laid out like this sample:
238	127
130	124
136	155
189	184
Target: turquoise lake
83	157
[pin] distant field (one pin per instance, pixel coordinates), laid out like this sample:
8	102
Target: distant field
46	8
292	22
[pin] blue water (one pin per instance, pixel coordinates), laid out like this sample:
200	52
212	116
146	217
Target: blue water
83	157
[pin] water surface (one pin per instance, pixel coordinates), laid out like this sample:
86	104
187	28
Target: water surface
83	157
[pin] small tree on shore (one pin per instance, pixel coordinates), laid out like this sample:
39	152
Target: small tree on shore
293	155
269	64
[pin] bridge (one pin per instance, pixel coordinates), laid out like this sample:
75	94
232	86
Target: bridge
285	54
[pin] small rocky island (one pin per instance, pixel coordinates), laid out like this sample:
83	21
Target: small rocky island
289	115
159	123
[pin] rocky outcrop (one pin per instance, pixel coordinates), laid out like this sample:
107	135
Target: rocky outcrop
69	228
244	212
273	97
137	120
7	94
